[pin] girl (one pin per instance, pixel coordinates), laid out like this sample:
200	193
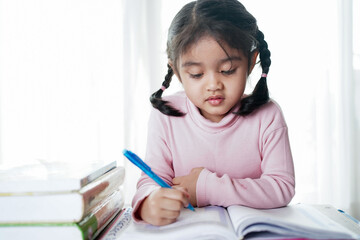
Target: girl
214	144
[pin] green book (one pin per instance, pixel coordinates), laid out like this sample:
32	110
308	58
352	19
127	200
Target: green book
88	228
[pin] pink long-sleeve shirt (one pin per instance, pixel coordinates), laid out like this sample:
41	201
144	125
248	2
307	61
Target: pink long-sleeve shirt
247	160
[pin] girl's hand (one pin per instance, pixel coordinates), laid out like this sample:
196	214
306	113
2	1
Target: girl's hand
189	182
163	206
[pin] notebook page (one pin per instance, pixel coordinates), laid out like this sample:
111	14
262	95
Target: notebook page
205	223
346	221
298	220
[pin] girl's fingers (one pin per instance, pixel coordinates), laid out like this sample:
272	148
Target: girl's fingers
176	180
163	221
182	189
169	214
186	195
163	206
172	205
177	194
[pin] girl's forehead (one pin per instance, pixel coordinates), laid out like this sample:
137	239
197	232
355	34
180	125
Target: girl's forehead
209	46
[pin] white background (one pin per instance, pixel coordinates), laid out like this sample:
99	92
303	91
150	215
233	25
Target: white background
76	75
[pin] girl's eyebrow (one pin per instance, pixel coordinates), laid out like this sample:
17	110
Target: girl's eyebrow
191	63
231	58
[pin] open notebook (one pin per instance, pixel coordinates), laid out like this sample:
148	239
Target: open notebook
238	222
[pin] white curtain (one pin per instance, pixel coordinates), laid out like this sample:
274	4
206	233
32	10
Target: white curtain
313	79
75	79
60	79
142	57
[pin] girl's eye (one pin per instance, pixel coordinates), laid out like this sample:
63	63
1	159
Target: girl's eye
196	75
229	72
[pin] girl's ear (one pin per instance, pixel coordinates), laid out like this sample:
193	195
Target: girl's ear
253	61
174	70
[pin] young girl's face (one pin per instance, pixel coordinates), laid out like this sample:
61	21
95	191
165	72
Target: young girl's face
213	80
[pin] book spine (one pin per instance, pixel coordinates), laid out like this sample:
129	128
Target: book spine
101	188
94	175
95	221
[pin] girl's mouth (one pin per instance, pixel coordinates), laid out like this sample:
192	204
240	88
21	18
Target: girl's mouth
215	100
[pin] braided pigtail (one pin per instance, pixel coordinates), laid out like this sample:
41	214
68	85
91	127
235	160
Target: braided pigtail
260	94
161	105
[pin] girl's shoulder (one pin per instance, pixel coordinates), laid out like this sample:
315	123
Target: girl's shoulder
270	112
177	100
273	106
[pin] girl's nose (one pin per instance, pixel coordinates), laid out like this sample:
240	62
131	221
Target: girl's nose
213	83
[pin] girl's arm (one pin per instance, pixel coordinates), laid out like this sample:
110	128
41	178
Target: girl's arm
274	188
150	202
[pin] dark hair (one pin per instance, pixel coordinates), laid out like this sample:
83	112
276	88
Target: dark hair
227	21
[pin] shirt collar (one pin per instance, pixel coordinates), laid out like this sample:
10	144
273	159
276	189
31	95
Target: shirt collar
209	126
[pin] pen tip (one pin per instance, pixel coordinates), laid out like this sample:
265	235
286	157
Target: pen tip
191	207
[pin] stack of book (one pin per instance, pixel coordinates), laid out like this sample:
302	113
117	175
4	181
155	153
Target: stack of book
59	201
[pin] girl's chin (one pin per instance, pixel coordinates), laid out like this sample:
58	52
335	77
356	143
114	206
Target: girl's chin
214	116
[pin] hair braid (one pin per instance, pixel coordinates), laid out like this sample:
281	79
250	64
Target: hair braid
161	105
260	94
265	54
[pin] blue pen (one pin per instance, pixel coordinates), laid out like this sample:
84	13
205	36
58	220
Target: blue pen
146	169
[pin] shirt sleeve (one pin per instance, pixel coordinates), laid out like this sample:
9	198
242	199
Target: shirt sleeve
275	187
158	157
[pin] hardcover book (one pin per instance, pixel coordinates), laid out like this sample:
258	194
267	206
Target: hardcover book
50	177
88	228
67	206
